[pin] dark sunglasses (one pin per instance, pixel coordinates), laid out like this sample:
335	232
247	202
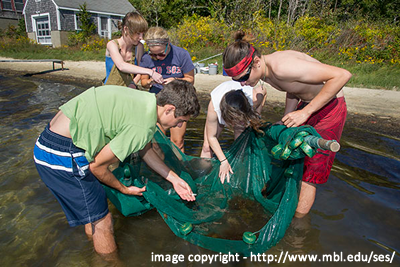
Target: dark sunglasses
244	77
159	54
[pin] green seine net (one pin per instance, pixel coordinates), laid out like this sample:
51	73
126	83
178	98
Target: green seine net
249	214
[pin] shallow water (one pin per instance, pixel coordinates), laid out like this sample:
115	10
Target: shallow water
357	211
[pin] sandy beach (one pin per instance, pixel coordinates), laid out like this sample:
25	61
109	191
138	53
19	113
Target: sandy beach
373	106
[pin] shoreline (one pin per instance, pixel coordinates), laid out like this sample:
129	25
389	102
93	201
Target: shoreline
370	109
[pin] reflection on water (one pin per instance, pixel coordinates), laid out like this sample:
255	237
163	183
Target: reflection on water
356	211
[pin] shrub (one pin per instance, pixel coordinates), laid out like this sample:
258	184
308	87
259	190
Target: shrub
198	32
94	44
370	43
312	33
76	38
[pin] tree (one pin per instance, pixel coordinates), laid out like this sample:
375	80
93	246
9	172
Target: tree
169	14
87	26
21	29
297	8
241	13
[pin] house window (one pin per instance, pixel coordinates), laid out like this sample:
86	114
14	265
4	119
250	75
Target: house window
19	5
43	30
77	22
7	5
104	27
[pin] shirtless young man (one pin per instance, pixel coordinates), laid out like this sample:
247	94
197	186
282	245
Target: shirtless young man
314	96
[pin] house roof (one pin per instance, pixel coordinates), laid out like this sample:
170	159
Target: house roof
110	7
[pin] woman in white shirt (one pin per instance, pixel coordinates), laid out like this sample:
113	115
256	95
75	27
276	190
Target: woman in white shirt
241	109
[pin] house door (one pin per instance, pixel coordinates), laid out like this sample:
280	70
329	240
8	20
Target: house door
104	28
43	35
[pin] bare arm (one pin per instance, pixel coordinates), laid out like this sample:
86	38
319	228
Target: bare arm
308	72
127	67
212	137
99	168
290	106
153	160
139	54
259	98
291	103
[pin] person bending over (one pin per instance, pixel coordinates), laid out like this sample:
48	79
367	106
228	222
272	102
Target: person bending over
98	128
314	96
236	109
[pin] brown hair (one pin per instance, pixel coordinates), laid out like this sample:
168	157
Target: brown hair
236	109
135	23
182	95
237	50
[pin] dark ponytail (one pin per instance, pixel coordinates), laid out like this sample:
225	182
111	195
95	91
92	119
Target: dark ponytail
237	50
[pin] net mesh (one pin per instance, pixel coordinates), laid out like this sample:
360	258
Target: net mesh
248	215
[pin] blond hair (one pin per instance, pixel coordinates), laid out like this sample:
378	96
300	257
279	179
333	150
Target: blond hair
156	36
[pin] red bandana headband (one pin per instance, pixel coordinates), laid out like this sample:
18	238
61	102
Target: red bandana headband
242	65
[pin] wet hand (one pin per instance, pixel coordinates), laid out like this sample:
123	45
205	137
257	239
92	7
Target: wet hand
183	190
133	190
225	171
295	118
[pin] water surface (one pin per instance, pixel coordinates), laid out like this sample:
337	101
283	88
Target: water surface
356	211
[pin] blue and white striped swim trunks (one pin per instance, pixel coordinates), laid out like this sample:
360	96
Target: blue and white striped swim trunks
65	171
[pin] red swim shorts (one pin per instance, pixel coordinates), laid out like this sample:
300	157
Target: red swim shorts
329	122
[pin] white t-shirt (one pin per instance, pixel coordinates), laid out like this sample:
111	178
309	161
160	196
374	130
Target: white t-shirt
225	87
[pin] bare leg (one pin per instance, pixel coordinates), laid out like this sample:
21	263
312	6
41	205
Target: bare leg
177	136
306	199
88	231
103	236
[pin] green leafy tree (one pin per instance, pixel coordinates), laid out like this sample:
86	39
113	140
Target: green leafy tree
150	10
21	29
169	14
243	13
86	23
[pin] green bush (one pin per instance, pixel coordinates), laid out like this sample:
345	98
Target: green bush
360	46
198	32
355	41
312	33
76	38
363	42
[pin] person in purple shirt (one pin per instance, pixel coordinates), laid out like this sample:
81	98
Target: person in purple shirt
172	62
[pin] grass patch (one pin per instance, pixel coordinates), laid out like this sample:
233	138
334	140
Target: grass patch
55	53
365	75
375	76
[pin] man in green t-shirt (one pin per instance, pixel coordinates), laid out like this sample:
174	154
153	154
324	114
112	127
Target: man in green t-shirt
100	127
